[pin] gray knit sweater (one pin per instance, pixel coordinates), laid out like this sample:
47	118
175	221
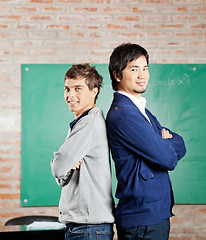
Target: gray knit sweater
86	195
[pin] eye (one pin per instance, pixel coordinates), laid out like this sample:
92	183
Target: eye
66	89
145	69
134	69
78	89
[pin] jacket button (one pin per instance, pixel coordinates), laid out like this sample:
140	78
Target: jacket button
116	108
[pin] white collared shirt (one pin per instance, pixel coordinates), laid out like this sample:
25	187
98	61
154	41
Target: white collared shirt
139	102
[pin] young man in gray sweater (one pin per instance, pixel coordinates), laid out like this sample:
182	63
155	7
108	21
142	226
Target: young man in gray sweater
82	165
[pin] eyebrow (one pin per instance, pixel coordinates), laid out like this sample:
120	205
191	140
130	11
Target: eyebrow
74	86
138	66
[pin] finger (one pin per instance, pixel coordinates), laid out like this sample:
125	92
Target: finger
163	133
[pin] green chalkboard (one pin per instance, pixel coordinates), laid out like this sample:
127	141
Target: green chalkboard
175	94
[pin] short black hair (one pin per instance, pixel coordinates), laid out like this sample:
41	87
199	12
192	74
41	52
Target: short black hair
121	56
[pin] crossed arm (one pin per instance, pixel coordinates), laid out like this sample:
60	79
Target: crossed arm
77	166
166	134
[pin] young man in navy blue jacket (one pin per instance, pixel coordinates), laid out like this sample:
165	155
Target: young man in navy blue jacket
143	151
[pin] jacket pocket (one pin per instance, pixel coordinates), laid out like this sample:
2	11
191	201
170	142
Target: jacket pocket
153	185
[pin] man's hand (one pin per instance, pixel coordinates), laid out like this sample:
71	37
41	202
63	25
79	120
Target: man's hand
77	166
166	134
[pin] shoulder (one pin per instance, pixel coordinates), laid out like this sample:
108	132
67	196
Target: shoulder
94	118
123	111
95	114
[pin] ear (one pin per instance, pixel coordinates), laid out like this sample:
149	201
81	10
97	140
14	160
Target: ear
94	91
116	77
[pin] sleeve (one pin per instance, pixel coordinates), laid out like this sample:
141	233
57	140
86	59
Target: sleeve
74	149
64	180
137	135
176	140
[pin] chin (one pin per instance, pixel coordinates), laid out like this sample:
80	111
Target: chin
140	91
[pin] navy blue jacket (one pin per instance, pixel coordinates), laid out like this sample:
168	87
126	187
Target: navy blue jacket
142	160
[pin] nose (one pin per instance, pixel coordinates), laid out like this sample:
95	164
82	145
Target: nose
70	94
141	74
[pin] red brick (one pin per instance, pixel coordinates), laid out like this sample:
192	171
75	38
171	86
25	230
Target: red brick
144	10
188	35
158	35
145	26
5	186
70	1
5	169
200	237
9	196
188	17
87	26
85	9
197	43
7	177
194	229
4	8
70	17
24	9
172	26
57	26
129	35
39	34
157	1
100	1
55	9
200	219
115	26
182	219
71	34
129	18
200	26
173	9
197	9
9	215
40	18
28	26
186	1
42	1
116	9
102	18
3	25
181	237
11	17
45	51
158	18
84	43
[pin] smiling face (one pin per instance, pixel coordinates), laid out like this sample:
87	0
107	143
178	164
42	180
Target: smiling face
134	77
78	97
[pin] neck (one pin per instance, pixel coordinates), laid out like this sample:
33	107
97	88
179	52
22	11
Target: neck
137	95
78	114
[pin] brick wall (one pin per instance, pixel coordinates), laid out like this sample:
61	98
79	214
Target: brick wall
76	31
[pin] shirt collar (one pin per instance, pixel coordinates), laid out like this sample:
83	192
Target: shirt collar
76	120
139	102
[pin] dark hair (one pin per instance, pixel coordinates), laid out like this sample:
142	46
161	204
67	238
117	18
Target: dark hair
121	56
92	78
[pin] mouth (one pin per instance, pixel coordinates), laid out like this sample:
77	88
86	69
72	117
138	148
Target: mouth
142	84
72	102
